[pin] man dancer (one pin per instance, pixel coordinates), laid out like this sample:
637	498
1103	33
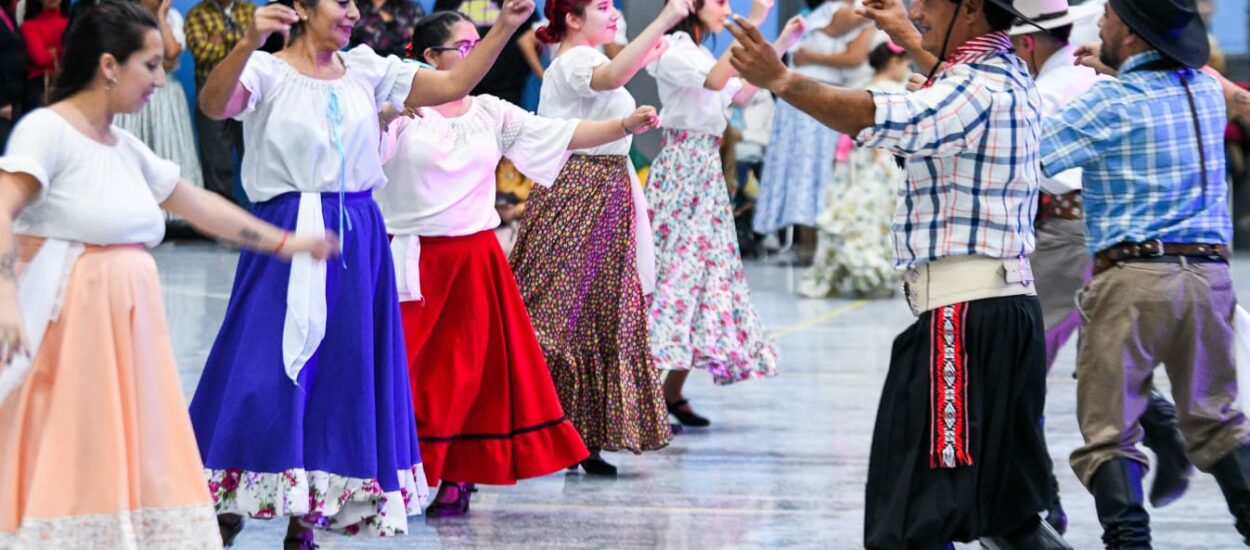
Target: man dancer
1157	223
1060	262
957	452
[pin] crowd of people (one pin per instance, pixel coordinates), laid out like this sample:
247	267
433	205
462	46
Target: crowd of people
379	343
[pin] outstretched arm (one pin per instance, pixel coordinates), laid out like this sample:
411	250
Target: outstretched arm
844	110
641	51
431	88
593	133
214	215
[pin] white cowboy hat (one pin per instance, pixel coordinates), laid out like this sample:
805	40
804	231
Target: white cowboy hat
1052	14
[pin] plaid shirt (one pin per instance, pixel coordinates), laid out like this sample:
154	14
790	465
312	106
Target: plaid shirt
971	146
1134	137
211	34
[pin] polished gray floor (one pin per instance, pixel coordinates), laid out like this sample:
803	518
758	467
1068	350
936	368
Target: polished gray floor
783	465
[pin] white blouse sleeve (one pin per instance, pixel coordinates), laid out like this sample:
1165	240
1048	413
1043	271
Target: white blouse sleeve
680	66
36	148
579	69
538	146
259	76
160	174
176	24
390	138
390	76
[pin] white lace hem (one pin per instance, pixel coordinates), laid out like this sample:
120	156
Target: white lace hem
193	527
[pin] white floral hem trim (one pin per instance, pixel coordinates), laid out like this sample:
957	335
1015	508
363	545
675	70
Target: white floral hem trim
351	506
193	527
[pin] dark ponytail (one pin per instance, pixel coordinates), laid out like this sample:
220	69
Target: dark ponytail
115	27
555	11
432	30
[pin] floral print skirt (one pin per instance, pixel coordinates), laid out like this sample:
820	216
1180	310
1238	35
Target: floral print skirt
339	449
575	261
701	316
96	450
854	252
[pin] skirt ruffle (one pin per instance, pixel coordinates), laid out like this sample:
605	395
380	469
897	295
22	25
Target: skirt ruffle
350	417
96	450
702	316
486	406
576	263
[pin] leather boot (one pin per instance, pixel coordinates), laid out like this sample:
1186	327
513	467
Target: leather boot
1163	436
1035	534
1118	500
1055	516
1232	473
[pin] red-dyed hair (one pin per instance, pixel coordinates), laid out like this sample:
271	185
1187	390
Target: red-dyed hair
555	11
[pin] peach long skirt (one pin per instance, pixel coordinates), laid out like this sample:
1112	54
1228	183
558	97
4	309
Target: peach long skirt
96	447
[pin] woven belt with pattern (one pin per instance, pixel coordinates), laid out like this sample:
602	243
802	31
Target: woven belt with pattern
1160	251
1067	206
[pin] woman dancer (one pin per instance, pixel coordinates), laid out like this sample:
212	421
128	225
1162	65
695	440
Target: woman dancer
798	164
96	449
486	409
583	257
304	408
164	124
701	316
854	255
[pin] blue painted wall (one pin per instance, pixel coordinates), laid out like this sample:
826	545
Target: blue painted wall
1231	25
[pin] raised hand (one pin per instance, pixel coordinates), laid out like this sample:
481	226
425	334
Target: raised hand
515	13
759	11
891	17
676	10
641	121
1090	55
790	33
268	20
753	57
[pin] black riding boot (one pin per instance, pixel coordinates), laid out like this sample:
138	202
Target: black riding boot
1118	499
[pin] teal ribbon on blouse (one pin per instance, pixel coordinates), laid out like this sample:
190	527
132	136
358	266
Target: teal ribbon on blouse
334	115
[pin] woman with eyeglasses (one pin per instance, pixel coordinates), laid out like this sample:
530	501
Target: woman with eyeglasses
583	255
304	408
485	405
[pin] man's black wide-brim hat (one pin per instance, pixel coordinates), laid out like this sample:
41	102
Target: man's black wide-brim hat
1171	26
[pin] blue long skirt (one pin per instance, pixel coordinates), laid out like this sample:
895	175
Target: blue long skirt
798	167
340	448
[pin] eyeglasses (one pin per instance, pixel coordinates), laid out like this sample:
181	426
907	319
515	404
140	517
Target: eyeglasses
463	47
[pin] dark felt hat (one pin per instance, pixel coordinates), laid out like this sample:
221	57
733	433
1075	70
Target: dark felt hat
1171	26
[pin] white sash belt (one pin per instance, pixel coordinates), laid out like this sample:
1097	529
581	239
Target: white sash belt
645	244
305	324
40	294
406	253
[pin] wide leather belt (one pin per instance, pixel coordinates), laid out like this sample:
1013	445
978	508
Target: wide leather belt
1156	249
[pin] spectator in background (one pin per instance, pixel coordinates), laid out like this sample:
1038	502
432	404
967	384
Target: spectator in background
164	124
506	79
213	28
12	71
386	25
44	24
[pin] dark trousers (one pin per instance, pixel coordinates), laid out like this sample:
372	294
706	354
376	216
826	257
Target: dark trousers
221	142
1003	478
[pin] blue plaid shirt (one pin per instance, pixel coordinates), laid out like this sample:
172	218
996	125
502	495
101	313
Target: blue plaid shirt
1134	136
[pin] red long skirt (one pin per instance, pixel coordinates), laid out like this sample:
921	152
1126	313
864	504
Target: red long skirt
487	411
